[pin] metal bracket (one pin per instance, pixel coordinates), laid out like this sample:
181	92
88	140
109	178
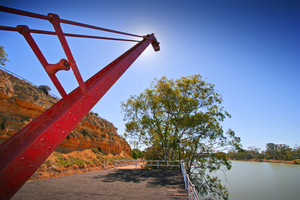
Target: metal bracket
25	31
55	21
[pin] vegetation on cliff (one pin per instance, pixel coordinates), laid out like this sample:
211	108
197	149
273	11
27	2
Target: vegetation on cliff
3	56
60	164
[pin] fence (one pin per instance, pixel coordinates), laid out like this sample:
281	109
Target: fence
151	163
189	186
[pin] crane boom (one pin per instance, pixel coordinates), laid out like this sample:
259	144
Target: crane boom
25	151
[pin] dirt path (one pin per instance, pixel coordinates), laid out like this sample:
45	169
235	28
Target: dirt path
108	184
132	166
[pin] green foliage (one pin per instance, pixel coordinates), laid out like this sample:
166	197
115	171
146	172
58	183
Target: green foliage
273	151
3	56
297	161
65	162
45	89
251	153
278	152
61	160
187	110
136	153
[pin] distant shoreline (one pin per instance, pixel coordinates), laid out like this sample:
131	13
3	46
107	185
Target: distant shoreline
293	162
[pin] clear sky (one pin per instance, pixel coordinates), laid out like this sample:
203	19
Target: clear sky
249	49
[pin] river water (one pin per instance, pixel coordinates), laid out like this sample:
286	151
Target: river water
262	181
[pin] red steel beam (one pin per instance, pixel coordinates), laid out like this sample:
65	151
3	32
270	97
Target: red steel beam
24	152
7	28
55	21
25	31
44	17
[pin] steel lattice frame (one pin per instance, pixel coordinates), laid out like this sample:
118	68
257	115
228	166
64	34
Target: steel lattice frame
24	152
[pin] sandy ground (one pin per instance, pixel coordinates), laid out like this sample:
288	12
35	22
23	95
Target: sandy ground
132	166
108	184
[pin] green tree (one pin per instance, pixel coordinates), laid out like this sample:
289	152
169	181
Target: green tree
254	152
271	150
296	152
283	152
183	117
3	56
279	151
136	153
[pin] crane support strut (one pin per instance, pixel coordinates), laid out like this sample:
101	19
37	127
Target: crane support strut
25	151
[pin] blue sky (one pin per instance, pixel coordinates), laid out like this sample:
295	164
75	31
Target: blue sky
249	49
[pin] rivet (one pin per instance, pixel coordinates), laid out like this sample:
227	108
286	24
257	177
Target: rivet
42	140
84	110
75	119
31	165
70	113
22	158
49	147
96	89
81	104
57	125
63	132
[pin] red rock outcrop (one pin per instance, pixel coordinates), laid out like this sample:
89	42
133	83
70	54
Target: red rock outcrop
21	102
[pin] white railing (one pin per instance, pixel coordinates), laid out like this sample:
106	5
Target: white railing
189	186
154	163
106	163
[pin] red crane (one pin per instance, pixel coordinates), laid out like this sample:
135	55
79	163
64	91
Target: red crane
25	151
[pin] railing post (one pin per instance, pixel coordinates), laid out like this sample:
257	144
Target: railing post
194	192
158	164
189	189
116	164
136	165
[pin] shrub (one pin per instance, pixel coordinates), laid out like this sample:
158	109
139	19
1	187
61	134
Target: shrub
45	89
136	153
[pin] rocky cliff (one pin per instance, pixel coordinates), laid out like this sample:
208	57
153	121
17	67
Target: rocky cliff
21	102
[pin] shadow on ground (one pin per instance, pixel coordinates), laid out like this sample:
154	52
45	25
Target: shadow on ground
154	178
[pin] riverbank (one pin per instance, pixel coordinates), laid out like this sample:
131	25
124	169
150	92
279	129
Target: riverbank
295	162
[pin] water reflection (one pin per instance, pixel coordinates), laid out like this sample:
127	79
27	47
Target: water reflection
262	181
